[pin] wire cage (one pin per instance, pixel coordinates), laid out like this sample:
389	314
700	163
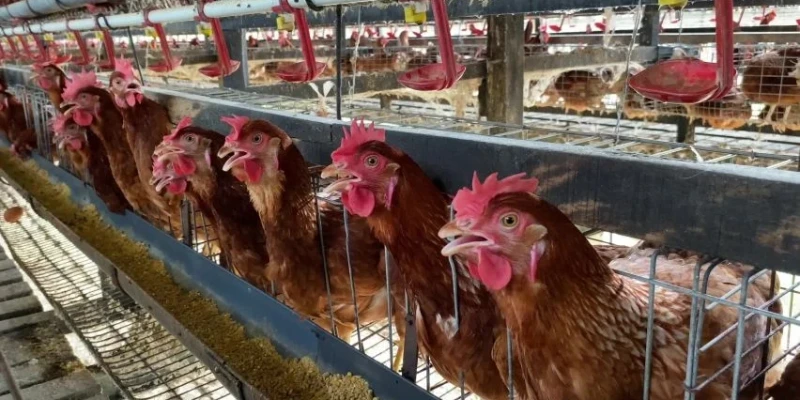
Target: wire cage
776	312
595	109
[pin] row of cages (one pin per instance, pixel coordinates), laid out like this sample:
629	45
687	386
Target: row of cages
760	306
570	96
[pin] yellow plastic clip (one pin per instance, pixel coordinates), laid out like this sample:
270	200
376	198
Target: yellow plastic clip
98	35
151	32
48	37
672	3
204	29
416	13
70	36
286	22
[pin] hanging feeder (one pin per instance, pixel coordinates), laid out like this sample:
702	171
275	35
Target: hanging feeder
23	40
557	28
224	66
13	48
690	80
43	54
169	63
442	75
111	57
86	59
308	69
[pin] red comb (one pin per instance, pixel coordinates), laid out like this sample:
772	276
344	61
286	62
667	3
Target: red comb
60	123
124	67
186	121
358	135
79	81
473	202
237	122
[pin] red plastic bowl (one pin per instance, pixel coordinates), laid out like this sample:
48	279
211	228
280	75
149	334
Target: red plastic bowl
164	66
430	77
64	58
687	81
298	72
215	70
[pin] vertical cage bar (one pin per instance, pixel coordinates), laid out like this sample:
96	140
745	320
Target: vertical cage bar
339	46
737	363
324	264
651	298
352	278
389	313
186	222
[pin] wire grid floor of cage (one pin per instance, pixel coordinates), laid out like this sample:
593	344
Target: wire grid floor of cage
144	359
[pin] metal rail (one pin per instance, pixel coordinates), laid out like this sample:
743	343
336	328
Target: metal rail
218	9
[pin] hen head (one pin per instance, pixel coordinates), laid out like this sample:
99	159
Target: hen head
68	134
48	75
166	176
83	92
188	148
255	148
500	228
124	86
366	168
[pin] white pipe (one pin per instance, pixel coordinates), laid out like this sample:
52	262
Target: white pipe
38	8
217	9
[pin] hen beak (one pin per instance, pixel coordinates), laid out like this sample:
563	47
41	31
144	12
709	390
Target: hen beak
134	87
336	170
330	171
464	241
60	141
238	156
161	179
166	149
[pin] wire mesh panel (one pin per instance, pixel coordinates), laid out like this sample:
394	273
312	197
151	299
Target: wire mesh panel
144	360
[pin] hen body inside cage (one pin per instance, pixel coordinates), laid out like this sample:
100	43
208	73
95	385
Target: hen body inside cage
634	318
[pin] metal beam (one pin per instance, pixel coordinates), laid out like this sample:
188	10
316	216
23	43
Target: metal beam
237	47
505	69
35	9
378	14
217	9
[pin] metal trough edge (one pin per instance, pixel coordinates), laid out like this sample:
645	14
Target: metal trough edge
262	315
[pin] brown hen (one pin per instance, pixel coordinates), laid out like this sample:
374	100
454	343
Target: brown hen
569	311
266	159
95	109
584	90
405	209
788	388
223	199
772	79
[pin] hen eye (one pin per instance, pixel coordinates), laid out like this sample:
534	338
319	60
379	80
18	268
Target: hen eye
189	138
371	161
509	220
257	138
